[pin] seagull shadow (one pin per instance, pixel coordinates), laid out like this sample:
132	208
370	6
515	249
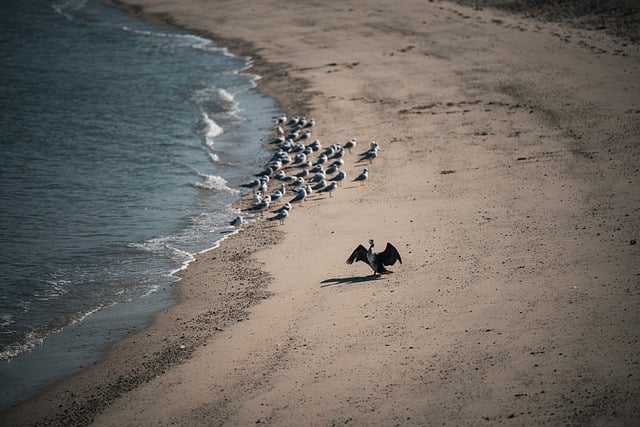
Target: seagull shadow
343	280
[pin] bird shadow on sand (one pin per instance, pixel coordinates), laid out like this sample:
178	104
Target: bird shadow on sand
343	280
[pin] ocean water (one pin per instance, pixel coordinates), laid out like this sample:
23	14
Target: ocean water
123	147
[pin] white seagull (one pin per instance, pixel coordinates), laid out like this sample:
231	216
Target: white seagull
315	145
349	145
338	162
280	216
319	186
253	184
281	119
262	205
369	155
300	158
237	221
301	194
293	121
317	177
305	135
330	188
339	177
364	175
286	207
333	168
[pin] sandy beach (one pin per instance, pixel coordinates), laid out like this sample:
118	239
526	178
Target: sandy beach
508	178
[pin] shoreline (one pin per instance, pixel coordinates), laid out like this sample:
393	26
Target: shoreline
169	339
58	403
246	279
83	368
275	81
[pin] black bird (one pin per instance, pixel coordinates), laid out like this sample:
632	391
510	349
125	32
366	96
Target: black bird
376	261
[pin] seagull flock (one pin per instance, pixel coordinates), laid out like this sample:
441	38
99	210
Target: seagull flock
300	168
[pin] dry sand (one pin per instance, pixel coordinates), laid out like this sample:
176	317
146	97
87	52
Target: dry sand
508	178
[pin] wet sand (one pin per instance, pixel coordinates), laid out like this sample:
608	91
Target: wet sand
508	179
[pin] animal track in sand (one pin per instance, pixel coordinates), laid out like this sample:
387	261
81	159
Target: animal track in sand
434	108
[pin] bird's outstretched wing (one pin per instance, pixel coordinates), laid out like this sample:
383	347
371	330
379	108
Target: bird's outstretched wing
390	255
359	254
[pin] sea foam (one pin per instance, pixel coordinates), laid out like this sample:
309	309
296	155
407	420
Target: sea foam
214	183
210	129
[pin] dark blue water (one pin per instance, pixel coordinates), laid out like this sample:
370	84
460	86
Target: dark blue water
123	146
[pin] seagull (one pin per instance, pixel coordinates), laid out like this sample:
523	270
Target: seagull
302	174
281	119
329	188
293	121
363	176
369	155
304	165
305	135
262	205
331	169
315	145
376	261
277	140
289	179
281	216
320	186
296	147
300	196
339	177
322	159
237	222
253	184
299	181
350	144
317	169
268	171
283	157
308	189
285	145
300	158
317	177
286	207
338	154
338	162
262	188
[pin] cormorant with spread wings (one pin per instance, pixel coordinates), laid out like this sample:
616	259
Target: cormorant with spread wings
376	261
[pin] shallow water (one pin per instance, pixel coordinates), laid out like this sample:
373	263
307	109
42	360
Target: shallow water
123	146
